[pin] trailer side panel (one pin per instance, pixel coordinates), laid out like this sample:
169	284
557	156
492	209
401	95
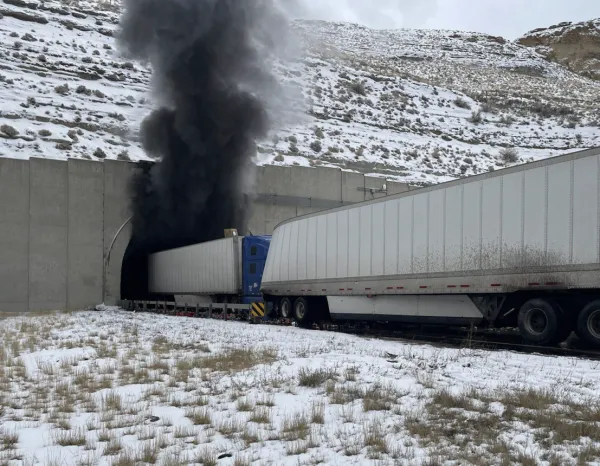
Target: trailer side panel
531	226
211	268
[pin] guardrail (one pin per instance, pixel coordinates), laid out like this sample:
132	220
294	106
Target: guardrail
224	311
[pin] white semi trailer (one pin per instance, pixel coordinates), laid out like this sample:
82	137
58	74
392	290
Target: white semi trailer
514	247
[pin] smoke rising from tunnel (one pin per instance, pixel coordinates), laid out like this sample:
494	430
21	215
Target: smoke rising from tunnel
211	63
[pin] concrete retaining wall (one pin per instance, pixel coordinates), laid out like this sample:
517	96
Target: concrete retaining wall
59	219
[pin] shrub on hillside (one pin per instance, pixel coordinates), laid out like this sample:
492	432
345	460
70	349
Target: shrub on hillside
476	117
62	89
509	154
124	155
10	131
358	88
462	103
81	89
316	146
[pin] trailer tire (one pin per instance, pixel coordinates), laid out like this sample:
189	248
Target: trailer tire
588	323
301	312
541	322
285	308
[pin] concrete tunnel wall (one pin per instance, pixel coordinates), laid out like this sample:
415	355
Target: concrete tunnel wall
59	218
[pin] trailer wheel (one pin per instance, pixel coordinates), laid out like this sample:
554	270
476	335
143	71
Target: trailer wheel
588	323
540	322
301	311
285	308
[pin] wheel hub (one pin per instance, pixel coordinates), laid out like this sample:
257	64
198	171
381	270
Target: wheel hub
300	310
593	324
537	321
285	309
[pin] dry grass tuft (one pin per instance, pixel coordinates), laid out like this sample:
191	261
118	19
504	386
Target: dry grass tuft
296	427
244	405
298	447
237	360
67	438
206	457
318	413
113	447
149	452
445	399
241	461
340	395
465	422
231	426
8	439
183	432
374	439
146	433
125	458
261	415
249	436
266	400
378	398
198	416
530	398
315	378
112	401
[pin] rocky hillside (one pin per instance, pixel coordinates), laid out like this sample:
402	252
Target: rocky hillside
417	106
574	45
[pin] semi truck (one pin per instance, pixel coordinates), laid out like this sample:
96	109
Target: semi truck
517	247
226	271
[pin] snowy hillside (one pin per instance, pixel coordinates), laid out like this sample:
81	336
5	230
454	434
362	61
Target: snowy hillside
418	106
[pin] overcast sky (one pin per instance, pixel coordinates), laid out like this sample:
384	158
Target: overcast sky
507	18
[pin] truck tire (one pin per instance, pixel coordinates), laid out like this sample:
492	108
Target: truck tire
301	312
285	308
541	322
588	323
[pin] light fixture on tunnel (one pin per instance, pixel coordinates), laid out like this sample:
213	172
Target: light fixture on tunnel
383	189
230	232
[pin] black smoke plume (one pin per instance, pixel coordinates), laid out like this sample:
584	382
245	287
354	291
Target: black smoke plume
211	64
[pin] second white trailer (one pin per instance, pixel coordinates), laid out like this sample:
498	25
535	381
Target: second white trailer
457	252
210	268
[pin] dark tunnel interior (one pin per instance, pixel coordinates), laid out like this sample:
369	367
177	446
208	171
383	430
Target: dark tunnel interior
134	269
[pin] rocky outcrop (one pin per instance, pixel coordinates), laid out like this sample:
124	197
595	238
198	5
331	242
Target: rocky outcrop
573	45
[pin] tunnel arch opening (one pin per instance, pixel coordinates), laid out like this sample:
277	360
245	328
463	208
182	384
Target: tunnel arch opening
134	266
134	274
167	217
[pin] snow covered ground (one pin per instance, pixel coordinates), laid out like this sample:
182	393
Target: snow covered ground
118	388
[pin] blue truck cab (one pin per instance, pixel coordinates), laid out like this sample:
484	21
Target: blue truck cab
254	257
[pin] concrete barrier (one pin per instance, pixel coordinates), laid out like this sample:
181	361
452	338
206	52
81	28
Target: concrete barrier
85	233
14	235
60	219
48	231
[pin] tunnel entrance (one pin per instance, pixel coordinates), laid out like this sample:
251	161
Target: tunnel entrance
157	225
134	275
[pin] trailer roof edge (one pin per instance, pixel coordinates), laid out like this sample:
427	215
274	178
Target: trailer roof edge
505	171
